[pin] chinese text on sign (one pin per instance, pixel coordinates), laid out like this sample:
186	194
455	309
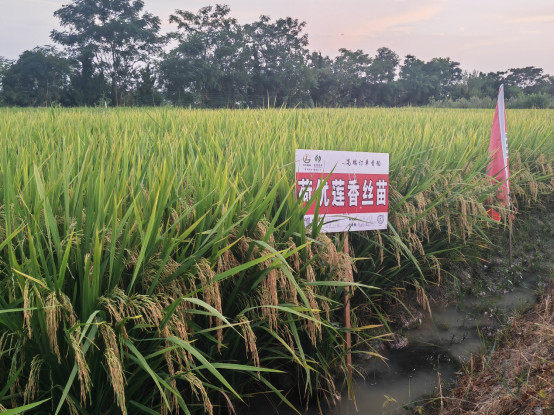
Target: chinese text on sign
355	196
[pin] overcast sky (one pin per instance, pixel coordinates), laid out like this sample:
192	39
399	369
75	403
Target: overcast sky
488	35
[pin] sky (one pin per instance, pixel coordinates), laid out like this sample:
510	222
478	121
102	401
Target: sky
486	35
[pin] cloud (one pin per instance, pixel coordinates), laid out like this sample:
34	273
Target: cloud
402	19
538	18
529	31
402	30
51	3
371	23
485	42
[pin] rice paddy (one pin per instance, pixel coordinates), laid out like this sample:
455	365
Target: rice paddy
157	261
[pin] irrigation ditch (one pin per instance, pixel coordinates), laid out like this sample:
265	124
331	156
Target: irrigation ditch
452	361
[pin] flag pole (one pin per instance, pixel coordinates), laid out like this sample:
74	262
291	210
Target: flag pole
510	233
510	227
507	171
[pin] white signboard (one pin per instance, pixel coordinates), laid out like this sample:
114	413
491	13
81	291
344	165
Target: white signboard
356	194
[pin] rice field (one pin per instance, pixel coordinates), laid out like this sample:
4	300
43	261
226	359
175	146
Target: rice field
156	260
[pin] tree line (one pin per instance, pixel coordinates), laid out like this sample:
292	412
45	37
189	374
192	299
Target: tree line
112	53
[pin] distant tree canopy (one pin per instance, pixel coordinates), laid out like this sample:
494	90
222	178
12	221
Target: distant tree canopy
211	57
39	77
113	54
219	62
113	35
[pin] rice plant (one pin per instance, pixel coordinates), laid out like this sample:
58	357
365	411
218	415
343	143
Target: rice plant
156	261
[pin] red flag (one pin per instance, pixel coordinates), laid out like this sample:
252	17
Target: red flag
498	167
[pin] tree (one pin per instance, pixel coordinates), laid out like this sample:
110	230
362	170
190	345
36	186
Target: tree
352	69
443	75
4	66
39	77
415	82
324	91
547	86
426	81
383	66
118	35
488	85
146	92
88	86
526	77
212	60
218	62
280	58
382	72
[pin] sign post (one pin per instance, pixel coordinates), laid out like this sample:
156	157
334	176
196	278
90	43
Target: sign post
354	197
347	315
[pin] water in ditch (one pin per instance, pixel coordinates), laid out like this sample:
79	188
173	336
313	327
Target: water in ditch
436	349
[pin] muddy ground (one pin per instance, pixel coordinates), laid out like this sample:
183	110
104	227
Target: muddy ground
515	371
517	354
532	254
514	374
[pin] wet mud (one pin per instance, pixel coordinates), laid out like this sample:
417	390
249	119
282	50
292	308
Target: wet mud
435	352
